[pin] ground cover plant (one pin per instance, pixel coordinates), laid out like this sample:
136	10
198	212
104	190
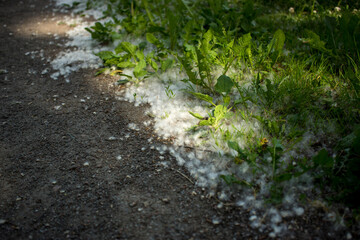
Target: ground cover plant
277	88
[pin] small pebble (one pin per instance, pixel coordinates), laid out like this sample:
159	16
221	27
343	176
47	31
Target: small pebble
252	218
146	204
2	221
216	221
86	164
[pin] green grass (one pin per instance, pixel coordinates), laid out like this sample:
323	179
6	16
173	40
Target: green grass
290	73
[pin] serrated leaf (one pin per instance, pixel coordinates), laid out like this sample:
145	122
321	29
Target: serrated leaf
186	65
202	65
224	84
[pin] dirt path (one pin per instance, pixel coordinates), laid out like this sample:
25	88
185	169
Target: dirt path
71	168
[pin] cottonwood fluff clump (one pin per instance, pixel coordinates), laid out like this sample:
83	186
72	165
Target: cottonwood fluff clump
206	157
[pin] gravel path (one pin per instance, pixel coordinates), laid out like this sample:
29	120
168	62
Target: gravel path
71	168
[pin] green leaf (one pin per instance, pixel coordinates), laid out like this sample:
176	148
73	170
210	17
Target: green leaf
224	84
140	66
283	177
140	74
238	149
139	70
101	71
220	112
105	55
208	36
277	144
203	97
234	145
315	42
226	100
166	64
202	65
152	63
124	75
279	37
121	82
127	64
322	159
148	11
208	122
197	115
187	66
276	45
129	48
152	39
140	55
230	179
